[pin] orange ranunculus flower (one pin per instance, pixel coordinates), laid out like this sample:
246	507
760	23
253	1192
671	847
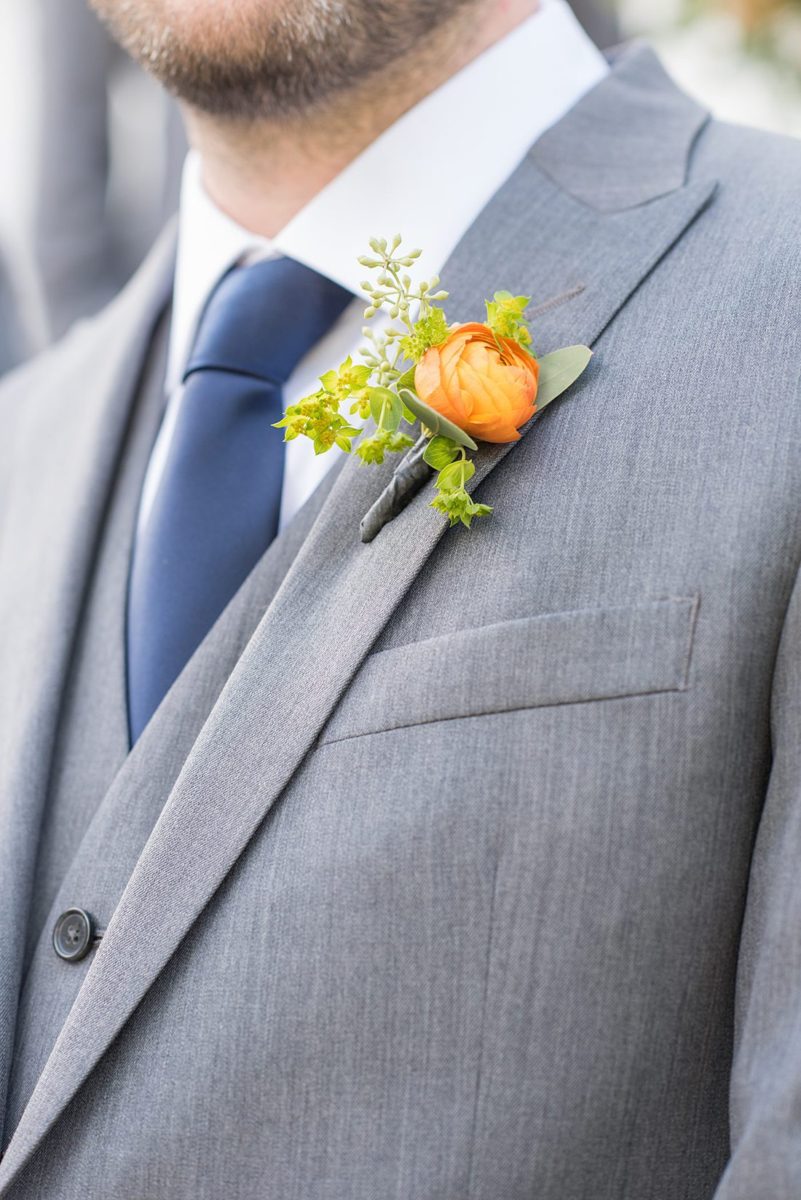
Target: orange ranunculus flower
485	385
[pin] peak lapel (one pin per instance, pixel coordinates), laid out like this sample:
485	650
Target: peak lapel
71	426
534	237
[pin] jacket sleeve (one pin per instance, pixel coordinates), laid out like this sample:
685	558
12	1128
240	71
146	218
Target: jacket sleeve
765	1093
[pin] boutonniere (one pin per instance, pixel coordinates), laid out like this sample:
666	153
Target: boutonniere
464	384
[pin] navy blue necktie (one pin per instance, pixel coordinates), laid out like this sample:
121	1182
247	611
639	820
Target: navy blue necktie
218	502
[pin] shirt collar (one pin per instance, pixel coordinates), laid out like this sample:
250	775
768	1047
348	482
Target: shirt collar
428	176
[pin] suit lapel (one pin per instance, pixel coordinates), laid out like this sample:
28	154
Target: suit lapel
73	431
336	598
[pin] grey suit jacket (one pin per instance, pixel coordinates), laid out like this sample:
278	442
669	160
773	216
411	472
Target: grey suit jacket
456	866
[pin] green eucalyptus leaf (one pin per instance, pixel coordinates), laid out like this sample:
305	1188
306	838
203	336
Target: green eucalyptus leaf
439	452
407	379
559	371
385	407
433	421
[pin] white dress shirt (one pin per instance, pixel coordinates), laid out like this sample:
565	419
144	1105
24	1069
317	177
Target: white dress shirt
458	146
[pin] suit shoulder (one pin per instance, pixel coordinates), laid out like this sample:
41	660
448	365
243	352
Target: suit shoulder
748	245
748	147
60	372
48	369
759	181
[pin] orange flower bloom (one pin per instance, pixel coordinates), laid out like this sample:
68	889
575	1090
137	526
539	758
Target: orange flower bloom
485	385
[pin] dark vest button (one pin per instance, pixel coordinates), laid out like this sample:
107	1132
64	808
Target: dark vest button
73	935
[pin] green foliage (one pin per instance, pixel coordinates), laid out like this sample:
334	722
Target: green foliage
559	371
453	477
361	406
317	416
406	380
506	317
452	498
387	412
459	507
371	450
440	451
431	330
347	380
386	408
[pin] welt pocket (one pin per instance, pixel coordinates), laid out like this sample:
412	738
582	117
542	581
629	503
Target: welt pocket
533	662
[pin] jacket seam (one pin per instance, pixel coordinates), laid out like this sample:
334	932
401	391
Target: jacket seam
496	712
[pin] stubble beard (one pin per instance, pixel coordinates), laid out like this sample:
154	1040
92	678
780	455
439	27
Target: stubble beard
281	58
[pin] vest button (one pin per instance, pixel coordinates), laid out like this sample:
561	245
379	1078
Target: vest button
73	934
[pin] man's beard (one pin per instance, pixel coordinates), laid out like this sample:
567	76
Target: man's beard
272	58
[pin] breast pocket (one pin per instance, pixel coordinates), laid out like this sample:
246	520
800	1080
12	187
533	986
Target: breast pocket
551	659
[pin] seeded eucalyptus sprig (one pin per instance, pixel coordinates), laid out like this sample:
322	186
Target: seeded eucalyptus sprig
393	354
389	357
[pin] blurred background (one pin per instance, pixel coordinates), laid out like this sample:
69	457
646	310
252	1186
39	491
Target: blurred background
91	150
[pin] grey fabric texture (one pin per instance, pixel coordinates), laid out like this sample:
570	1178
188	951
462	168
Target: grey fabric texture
610	652
473	870
59	457
92	740
136	791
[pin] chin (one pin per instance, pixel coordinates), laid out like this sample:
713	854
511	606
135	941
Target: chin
198	27
254	58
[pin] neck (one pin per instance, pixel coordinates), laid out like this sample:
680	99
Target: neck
262	173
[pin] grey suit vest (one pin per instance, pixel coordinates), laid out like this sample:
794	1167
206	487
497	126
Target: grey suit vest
92	741
100	795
